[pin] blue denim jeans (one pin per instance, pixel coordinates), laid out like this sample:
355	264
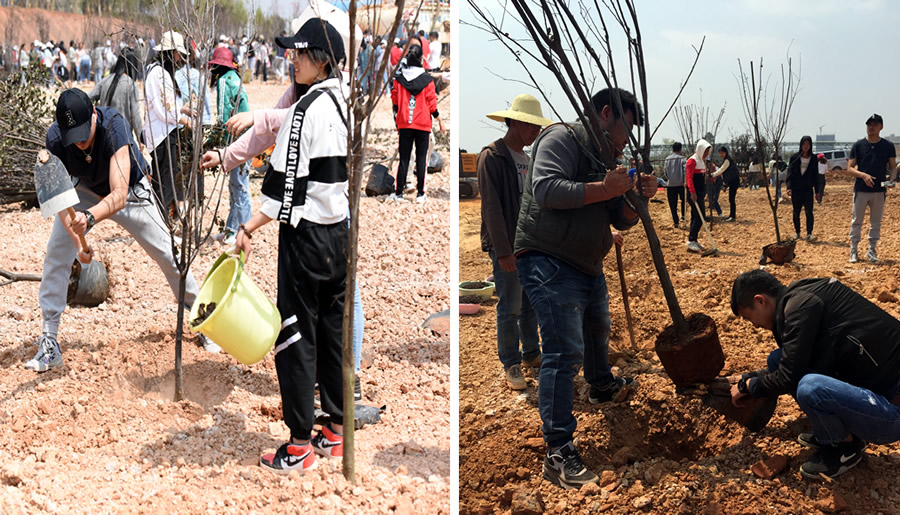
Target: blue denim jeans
239	209
573	312
516	320
837	409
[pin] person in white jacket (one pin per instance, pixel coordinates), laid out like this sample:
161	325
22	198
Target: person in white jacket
305	190
164	113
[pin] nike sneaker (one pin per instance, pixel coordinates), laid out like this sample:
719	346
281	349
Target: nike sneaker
328	443
564	468
833	460
289	457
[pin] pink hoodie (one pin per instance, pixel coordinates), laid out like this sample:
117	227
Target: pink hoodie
261	136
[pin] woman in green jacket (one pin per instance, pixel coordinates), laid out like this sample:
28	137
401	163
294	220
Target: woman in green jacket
231	99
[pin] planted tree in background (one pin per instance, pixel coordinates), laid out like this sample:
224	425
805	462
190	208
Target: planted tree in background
695	121
766	112
360	108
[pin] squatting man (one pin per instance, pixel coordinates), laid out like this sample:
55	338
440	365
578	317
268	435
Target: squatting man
838	355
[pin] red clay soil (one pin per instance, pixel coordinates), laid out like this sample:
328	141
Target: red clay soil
658	451
102	434
66	27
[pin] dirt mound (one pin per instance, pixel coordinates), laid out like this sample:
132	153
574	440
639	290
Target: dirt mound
660	451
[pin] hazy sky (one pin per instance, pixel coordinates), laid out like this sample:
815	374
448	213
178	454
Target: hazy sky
848	51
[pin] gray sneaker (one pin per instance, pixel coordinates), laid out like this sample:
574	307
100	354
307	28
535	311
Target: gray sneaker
564	468
854	256
48	356
871	255
209	345
514	378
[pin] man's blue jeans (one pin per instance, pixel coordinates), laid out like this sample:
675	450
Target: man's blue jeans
239	210
837	409
516	320
573	312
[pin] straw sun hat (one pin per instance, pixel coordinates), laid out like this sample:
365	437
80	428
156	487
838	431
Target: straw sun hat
171	41
524	108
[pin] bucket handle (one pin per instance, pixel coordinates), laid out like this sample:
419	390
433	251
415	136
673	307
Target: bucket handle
225	255
240	269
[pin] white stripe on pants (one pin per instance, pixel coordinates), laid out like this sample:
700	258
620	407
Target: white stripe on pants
874	200
140	218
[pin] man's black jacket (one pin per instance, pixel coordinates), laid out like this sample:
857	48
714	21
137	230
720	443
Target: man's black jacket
824	327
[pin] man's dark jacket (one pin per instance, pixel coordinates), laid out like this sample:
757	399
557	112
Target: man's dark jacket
501	198
824	327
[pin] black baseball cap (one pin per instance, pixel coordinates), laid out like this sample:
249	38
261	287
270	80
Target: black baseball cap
73	115
315	33
875	118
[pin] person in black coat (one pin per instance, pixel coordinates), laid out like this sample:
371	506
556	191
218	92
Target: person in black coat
839	356
802	174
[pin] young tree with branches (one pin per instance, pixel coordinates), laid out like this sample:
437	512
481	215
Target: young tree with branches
766	113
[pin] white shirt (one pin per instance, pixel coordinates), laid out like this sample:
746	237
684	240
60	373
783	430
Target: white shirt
163	106
804	164
434	58
823	167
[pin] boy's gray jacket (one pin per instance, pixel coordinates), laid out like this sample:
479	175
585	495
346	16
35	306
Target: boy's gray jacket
674	170
554	219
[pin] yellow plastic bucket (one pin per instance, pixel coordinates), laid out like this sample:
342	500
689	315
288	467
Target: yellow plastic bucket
244	322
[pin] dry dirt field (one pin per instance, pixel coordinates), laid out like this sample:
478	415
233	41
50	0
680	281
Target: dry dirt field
101	433
660	452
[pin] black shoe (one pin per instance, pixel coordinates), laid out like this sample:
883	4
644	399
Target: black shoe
564	468
833	460
611	392
809	440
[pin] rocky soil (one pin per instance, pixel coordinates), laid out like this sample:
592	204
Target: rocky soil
658	451
102	434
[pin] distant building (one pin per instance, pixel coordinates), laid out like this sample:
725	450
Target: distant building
824	142
893	138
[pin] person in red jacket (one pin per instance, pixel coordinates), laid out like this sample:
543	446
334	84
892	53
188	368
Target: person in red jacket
396	52
414	99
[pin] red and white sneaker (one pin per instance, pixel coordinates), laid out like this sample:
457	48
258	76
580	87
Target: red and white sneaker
328	443
289	457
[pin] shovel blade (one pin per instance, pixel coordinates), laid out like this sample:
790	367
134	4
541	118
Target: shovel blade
53	185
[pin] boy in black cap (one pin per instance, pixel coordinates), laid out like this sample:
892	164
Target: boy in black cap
97	148
870	159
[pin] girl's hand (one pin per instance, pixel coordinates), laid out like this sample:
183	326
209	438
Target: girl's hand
242	242
239	123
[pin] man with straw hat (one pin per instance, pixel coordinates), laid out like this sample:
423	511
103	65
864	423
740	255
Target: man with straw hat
502	166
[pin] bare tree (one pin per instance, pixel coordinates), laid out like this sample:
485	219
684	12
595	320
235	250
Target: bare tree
189	224
574	42
694	122
360	108
766	112
11	33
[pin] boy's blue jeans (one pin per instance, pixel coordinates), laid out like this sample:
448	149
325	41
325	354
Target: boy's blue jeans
516	319
239	210
573	312
837	409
